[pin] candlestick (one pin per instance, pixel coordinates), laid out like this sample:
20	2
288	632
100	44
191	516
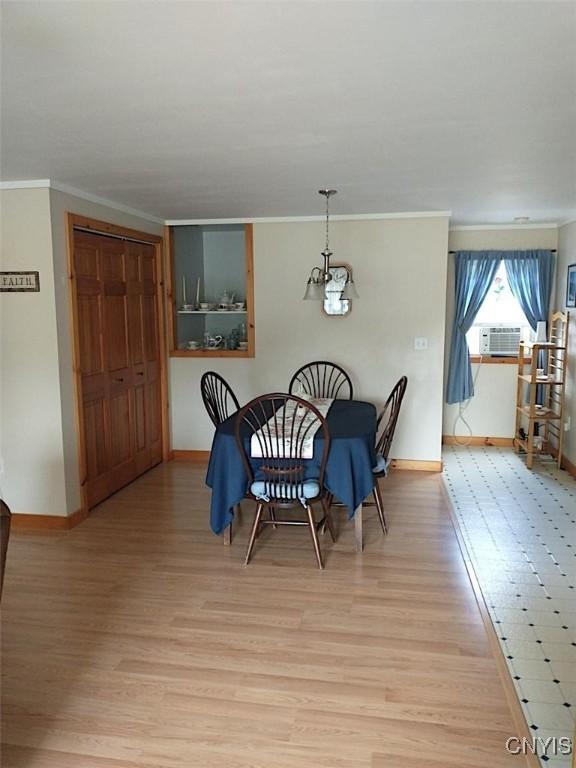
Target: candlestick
184	290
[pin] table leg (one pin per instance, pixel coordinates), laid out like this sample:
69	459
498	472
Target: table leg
227	535
358	527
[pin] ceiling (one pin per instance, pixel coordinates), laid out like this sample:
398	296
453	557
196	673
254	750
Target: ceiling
232	109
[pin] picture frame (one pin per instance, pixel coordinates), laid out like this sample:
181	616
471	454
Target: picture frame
571	286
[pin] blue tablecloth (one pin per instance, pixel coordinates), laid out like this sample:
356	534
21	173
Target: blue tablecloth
349	477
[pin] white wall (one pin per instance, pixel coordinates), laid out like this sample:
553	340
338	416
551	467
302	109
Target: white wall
38	441
31	440
400	271
60	204
566	256
491	412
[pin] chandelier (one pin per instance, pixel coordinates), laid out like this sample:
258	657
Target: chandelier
321	276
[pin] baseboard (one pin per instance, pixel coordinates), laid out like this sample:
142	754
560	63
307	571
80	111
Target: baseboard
24	522
416	464
197	457
568	466
503	442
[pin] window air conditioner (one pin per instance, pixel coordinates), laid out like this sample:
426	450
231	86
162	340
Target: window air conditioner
499	340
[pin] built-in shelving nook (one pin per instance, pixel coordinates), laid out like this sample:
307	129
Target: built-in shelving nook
211	290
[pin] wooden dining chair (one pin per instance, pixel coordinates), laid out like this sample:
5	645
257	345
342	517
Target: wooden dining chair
219	399
5	519
322	379
386	426
277	432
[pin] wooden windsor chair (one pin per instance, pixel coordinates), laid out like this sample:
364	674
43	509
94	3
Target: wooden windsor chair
5	519
275	434
387	419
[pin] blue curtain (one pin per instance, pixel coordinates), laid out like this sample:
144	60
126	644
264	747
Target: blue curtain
530	276
474	273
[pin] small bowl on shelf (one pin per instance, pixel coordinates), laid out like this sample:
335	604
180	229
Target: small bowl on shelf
243	345
205	306
239	306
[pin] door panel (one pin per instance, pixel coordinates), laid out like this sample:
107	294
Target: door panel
135	341
95	426
150	327
118	336
120	428
86	263
140	417
112	259
153	405
134	292
89	325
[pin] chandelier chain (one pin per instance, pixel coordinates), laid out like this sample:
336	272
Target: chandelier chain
327	218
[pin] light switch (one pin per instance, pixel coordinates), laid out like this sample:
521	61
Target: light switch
420	343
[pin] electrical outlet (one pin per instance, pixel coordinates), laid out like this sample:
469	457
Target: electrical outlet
567	424
420	343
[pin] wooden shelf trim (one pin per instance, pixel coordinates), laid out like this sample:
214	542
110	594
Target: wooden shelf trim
529	380
212	311
539	414
211	353
544	345
484	360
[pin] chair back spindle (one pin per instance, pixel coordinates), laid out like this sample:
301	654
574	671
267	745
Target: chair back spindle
322	379
218	396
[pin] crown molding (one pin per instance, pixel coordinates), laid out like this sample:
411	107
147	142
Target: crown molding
26	184
68	190
565	223
480	227
75	192
290	219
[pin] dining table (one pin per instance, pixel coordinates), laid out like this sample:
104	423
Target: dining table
349	469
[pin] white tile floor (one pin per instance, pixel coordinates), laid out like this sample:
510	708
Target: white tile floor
520	530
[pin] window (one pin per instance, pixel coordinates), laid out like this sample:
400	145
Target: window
500	308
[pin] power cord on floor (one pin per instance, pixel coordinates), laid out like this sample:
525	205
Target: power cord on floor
462	409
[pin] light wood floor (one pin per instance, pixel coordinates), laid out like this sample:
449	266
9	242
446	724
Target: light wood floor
136	640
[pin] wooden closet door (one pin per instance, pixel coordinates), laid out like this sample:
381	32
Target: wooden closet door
121	464
151	336
94	380
119	358
144	353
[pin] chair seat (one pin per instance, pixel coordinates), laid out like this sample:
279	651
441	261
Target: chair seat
382	465
308	490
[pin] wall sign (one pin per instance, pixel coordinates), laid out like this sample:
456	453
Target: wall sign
20	282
